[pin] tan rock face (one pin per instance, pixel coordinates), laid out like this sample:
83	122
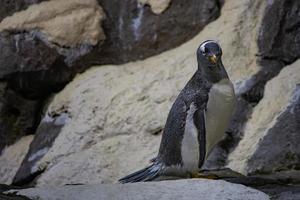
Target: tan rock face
278	94
12	157
115	110
66	23
157	6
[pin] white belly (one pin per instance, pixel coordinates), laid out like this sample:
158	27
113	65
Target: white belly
190	145
220	106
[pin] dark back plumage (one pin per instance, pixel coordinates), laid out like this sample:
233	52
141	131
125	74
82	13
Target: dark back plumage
196	91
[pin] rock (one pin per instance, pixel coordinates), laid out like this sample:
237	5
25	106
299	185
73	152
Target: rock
30	67
4	187
11	159
140	33
157	6
69	23
280	39
270	142
70	28
129	36
18	116
183	190
29	72
277	43
16	51
12	197
7	8
136	30
281	192
35	56
276	189
289	195
270	133
47	131
117	112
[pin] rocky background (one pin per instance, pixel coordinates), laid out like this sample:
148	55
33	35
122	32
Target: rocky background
86	86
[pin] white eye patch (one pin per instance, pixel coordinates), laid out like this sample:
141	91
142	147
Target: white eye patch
202	47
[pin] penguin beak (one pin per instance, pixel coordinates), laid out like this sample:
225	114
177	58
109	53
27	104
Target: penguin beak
213	59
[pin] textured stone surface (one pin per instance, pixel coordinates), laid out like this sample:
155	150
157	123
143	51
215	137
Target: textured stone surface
157	6
36	44
66	23
12	197
30	67
183	190
69	28
131	35
280	35
24	53
278	44
18	116
271	135
284	138
11	159
35	54
47	131
135	32
116	112
7	8
29	72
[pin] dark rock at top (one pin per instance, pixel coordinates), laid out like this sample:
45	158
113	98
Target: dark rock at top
134	32
30	67
9	7
280	32
278	44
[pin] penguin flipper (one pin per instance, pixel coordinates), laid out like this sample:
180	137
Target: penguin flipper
147	174
199	121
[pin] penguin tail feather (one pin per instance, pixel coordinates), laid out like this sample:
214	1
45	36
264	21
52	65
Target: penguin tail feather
147	174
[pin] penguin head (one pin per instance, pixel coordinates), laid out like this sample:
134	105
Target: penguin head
209	53
209	56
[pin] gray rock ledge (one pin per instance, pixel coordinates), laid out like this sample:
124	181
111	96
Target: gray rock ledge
180	189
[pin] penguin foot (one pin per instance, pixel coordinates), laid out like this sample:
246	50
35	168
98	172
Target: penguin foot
204	176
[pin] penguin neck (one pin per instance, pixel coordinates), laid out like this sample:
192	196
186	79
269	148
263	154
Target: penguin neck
214	75
199	81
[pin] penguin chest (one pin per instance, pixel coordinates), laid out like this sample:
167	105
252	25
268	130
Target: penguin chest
190	145
220	106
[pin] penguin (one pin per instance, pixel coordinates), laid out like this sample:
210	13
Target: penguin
196	122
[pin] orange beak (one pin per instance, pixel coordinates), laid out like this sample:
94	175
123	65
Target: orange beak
213	59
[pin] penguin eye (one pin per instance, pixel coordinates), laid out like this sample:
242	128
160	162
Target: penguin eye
204	51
